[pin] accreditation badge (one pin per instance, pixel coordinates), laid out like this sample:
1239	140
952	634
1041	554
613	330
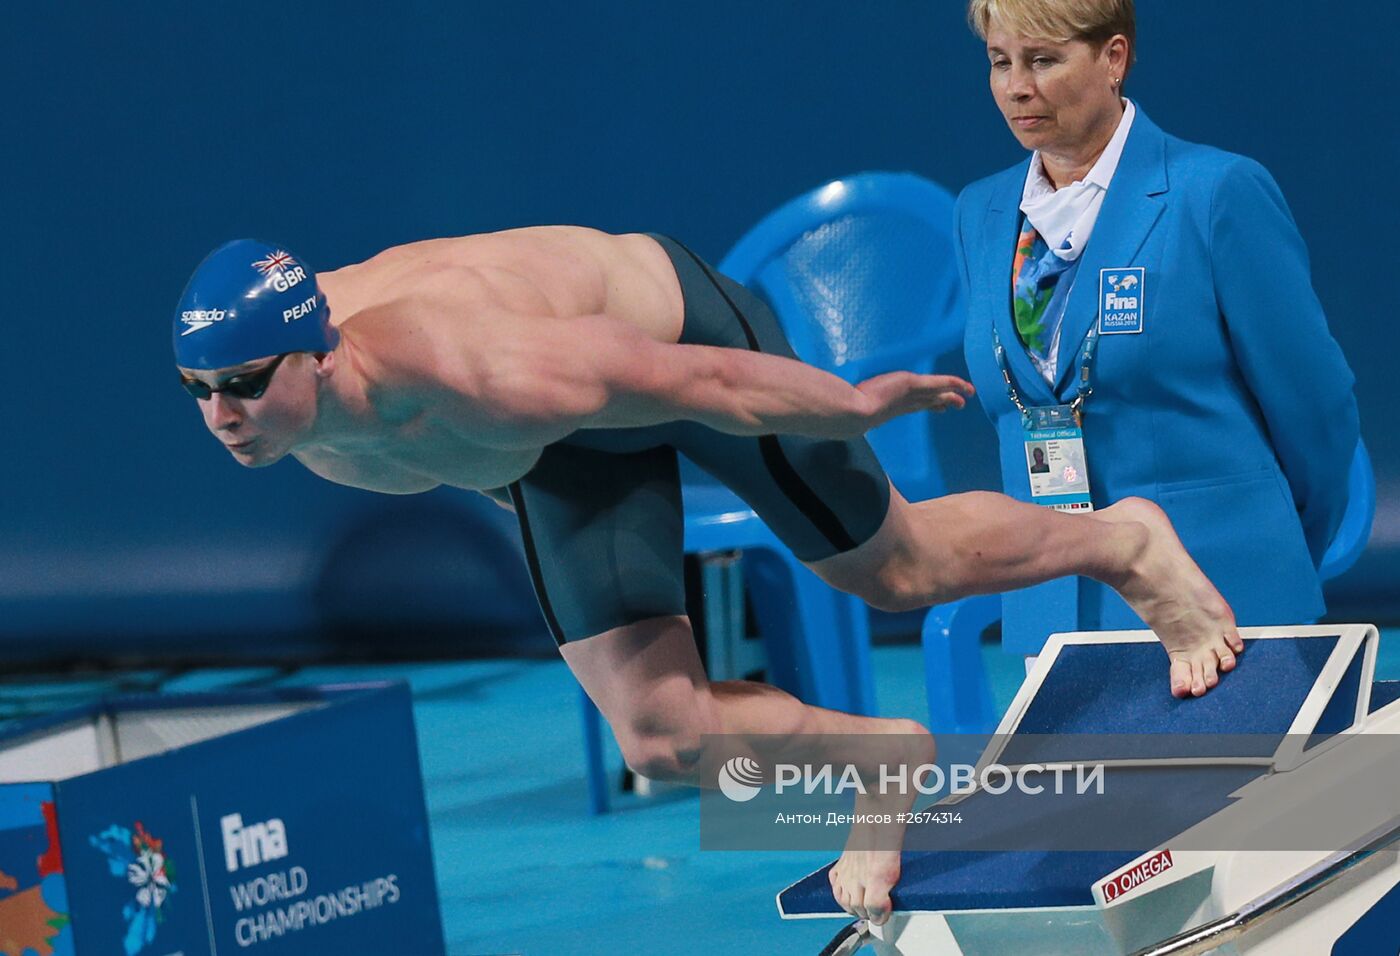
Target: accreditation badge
1122	295
1055	459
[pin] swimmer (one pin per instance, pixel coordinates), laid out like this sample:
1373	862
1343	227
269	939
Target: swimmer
560	370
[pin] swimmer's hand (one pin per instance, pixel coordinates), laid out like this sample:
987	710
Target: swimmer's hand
900	393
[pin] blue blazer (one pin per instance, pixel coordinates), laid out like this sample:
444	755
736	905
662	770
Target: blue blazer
1232	408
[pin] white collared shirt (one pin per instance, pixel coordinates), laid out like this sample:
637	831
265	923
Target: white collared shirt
1065	217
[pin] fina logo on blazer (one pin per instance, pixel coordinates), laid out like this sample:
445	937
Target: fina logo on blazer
1121	298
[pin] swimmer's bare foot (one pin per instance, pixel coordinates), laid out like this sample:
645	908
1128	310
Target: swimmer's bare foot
1169	592
868	869
861	882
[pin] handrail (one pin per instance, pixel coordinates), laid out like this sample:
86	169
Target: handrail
848	941
1216	933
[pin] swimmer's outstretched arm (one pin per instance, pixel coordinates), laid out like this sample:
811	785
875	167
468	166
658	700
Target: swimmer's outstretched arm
550	377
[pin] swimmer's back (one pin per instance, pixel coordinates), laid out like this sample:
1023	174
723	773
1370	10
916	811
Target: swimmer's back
545	271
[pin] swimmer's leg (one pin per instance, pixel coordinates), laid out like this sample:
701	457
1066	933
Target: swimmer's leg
603	536
649	683
934	551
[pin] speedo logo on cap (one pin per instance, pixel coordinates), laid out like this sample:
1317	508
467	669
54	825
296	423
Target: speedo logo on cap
281	270
196	319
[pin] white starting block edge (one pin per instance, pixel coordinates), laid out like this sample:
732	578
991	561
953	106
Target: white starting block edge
929	928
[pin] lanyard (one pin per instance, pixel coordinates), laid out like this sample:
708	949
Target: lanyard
1086	367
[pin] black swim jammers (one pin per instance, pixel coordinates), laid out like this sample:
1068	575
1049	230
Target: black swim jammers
600	513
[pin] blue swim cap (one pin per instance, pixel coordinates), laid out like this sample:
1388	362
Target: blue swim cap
249	299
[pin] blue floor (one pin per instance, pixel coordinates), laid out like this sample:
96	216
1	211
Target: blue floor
522	867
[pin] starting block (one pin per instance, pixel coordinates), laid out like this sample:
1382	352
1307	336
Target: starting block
1299	725
270	822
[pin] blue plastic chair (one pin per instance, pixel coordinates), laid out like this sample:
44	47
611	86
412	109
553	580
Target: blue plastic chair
861	273
959	693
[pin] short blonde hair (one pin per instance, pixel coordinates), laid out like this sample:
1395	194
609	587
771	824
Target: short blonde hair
1093	21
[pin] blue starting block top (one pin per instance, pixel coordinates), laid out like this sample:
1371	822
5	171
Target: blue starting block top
1304	685
1163	801
1122	688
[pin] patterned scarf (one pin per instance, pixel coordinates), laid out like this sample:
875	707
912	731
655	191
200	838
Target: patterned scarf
1035	273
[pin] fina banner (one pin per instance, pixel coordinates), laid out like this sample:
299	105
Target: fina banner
306	833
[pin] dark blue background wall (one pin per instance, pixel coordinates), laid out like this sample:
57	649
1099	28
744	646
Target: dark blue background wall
138	137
